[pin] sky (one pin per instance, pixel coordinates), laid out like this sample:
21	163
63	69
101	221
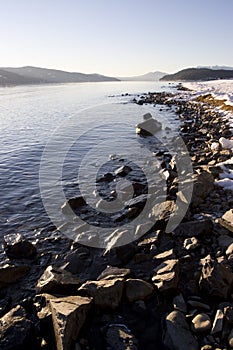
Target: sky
116	37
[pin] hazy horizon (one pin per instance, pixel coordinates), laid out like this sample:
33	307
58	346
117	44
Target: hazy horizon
124	38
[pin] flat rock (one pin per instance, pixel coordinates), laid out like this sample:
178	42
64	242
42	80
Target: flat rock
167	254
166	275
56	280
16	246
106	293
119	337
12	273
69	315
227	220
201	323
112	272
16	331
216	279
137	289
178	335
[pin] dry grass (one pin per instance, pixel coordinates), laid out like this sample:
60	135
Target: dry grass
212	102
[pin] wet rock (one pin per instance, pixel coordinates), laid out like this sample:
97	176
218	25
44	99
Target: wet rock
216	279
72	204
148	127
69	315
194	228
123	170
17	246
56	280
218	322
112	272
191	243
12	273
166	276
106	293
137	289
108	177
201	323
179	303
119	337
227	220
16	331
203	185
177	335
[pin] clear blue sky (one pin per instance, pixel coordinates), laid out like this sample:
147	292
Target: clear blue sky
116	37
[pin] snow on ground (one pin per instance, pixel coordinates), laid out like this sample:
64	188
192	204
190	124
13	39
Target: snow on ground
221	90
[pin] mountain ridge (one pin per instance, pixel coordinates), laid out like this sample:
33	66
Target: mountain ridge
198	74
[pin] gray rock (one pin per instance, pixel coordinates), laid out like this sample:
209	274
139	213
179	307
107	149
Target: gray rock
12	273
148	127
17	246
227	220
137	289
218	322
119	337
203	185
224	241
106	293
112	272
178	335
166	275
69	315
216	279
16	330
201	323
56	280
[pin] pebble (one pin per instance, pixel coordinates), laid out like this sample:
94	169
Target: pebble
201	323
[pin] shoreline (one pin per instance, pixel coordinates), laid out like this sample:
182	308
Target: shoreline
169	290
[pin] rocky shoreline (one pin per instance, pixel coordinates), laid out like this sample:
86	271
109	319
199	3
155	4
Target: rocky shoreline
164	291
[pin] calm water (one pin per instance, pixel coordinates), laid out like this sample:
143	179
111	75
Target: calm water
32	116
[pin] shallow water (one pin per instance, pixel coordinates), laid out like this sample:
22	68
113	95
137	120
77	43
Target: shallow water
91	119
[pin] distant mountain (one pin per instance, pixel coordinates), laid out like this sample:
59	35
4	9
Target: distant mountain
216	67
199	74
36	75
152	76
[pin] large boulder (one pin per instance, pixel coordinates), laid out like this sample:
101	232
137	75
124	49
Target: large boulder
17	246
106	293
216	279
69	315
56	280
16	331
178	335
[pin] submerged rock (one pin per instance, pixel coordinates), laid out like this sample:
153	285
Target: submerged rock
69	315
17	246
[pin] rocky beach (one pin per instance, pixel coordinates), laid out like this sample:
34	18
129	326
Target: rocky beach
165	290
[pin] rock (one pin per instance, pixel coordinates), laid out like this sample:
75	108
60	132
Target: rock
198	305
218	322
106	293
12	273
168	254
224	241
69	315
179	303
229	250
56	280
227	220
16	331
202	186
17	246
191	243
230	339
228	312
108	177
119	337
194	228
137	289
216	279
166	275
123	170
148	127
178	335
201	323
114	272
72	204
